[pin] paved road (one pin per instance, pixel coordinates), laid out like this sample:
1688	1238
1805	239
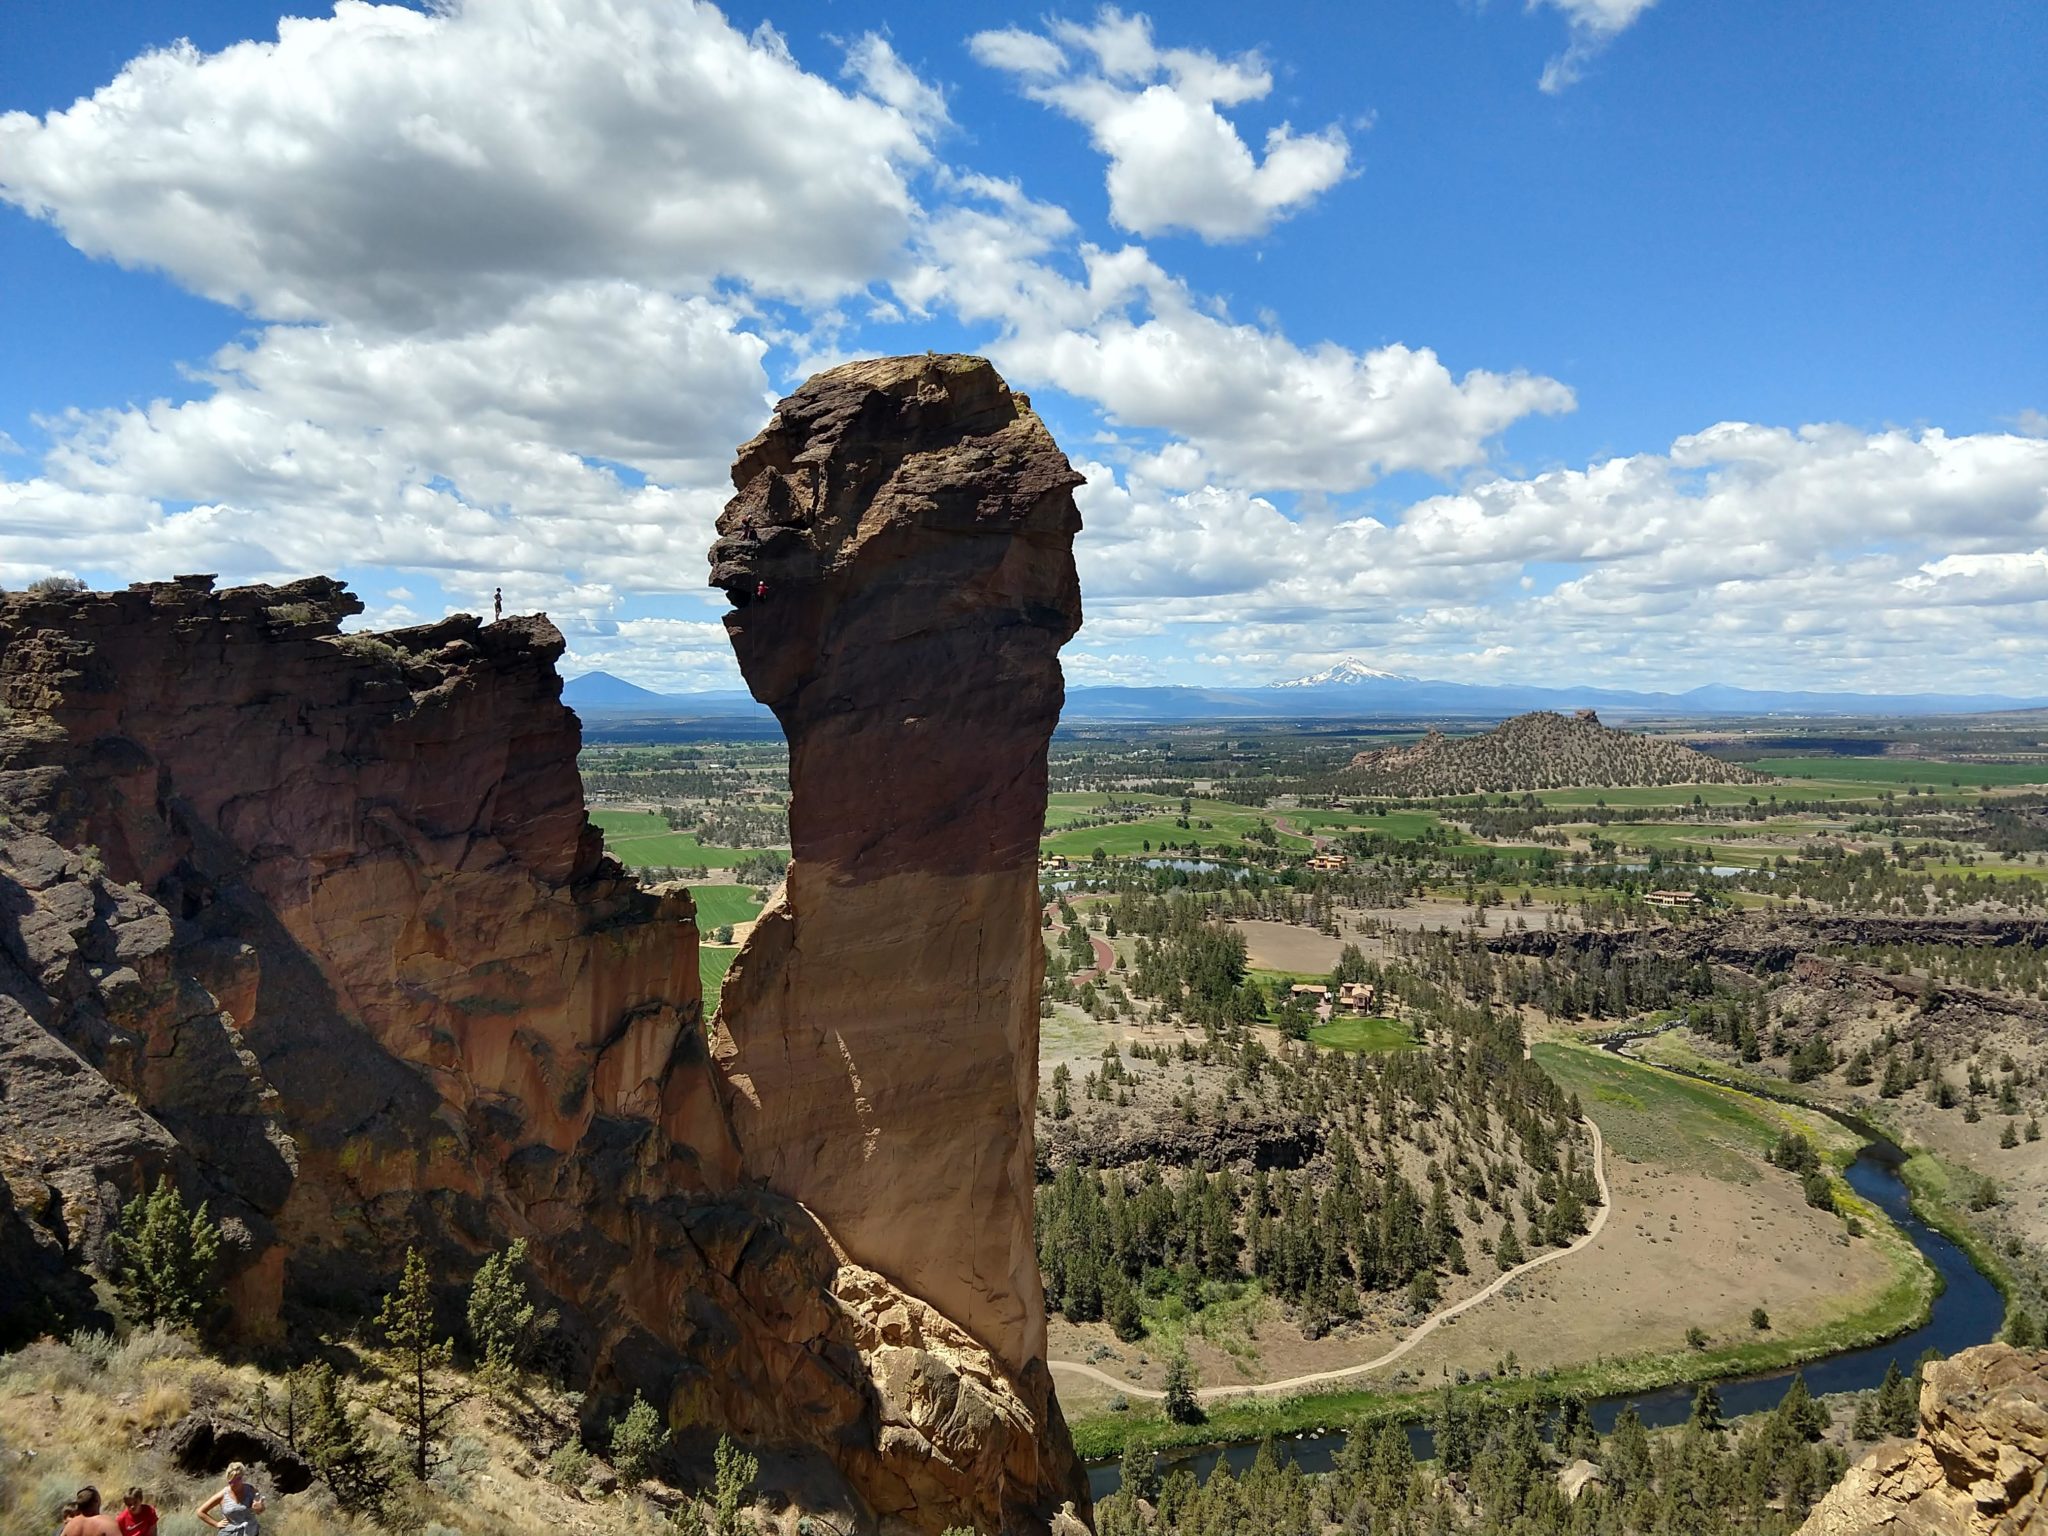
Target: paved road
1428	1326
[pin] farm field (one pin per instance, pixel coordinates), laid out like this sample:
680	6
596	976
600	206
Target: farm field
1709	794
641	838
713	961
1944	777
1228	824
721	904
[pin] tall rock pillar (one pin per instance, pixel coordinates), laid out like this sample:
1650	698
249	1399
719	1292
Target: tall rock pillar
900	560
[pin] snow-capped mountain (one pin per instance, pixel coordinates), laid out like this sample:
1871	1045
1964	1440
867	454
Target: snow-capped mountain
1348	671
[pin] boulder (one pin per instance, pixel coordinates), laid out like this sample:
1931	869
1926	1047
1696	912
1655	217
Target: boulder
1977	1466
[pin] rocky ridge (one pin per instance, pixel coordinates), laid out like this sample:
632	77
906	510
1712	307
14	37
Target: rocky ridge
316	923
1540	750
1978	1465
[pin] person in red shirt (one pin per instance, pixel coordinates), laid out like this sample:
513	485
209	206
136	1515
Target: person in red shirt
137	1517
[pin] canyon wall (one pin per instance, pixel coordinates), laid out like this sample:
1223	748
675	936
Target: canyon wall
316	924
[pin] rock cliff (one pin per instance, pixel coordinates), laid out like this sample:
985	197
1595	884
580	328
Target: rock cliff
1977	1467
316	923
900	560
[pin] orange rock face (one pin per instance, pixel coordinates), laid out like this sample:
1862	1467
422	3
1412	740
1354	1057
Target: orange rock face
912	522
1977	1467
317	924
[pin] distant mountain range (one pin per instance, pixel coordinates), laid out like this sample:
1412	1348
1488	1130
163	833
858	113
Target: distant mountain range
1350	690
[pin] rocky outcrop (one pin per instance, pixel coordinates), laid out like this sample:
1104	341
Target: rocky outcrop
316	924
1977	1467
900	560
1539	750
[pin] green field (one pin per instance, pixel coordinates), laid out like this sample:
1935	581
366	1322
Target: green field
641	838
1373	1034
1902	770
1229	824
1397	824
1657	1117
718	904
713	961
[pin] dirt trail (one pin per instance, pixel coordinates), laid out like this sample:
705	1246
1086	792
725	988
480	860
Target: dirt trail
1105	957
1428	1326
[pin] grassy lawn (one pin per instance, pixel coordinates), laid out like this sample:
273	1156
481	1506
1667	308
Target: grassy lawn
718	904
641	838
1352	1034
1276	982
713	961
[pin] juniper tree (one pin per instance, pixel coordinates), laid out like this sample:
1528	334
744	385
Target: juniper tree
1182	1406
637	1438
733	1473
503	1323
166	1260
414	1399
337	1444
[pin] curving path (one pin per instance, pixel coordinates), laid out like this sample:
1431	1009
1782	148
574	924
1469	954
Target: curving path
1429	1325
1316	840
1105	957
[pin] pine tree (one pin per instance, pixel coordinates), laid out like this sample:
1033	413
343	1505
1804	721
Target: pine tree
1139	1474
1706	1407
1628	1461
420	1406
1507	1252
166	1260
1182	1406
1897	1411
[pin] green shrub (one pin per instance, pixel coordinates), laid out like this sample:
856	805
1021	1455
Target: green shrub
167	1259
637	1438
570	1466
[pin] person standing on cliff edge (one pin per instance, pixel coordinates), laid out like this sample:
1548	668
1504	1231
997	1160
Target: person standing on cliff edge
497	603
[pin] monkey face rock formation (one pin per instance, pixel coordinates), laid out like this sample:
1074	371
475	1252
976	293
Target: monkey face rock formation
900	557
1977	1467
317	925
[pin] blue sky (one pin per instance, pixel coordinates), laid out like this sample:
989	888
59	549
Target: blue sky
1645	344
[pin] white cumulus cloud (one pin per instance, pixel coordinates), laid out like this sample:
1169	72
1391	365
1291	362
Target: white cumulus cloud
1175	161
400	167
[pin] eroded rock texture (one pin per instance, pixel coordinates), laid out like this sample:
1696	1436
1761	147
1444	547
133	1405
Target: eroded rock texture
317	924
1977	1467
900	557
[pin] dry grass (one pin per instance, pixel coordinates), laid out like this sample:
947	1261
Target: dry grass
91	1411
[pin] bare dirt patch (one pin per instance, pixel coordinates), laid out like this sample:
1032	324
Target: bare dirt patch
1681	1250
1288	947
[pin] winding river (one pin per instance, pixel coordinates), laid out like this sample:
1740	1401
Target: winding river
1968	1311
